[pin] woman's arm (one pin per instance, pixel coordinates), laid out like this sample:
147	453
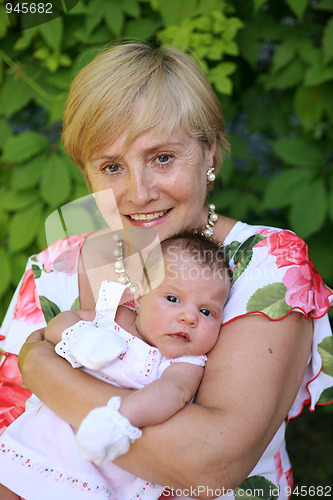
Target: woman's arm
250	382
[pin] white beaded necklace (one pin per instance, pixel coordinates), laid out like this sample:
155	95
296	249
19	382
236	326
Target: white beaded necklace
119	265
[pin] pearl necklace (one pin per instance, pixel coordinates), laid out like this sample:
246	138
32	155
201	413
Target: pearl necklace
119	265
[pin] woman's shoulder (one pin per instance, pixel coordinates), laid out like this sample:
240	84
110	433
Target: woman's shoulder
272	272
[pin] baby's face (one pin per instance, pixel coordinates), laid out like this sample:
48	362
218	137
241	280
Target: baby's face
182	316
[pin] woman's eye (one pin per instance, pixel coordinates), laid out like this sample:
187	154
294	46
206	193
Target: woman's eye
205	312
163	158
111	169
172	298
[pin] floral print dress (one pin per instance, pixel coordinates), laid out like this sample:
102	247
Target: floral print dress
272	275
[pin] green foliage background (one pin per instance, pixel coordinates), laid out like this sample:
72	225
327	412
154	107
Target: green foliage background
271	64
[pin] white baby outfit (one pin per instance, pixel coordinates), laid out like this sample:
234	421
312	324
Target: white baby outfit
43	459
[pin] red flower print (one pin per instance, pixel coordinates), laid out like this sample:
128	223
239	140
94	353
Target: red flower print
305	287
28	307
62	255
288	248
13	397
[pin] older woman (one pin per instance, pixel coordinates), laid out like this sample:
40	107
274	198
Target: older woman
144	126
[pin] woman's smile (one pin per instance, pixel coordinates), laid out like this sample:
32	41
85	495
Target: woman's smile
148	217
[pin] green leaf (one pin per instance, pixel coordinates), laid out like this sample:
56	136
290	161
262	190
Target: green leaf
26	38
11	200
174	11
270	300
256	488
230	249
96	13
5	131
218	76
23	147
309	104
298	152
308	212
52	32
36	271
76	304
318	74
27	175
325	349
244	255
326	396
49	308
283	55
328	41
14	95
141	28
284	188
114	17
289	76
55	185
5	271
298	7
131	7
23	227
308	52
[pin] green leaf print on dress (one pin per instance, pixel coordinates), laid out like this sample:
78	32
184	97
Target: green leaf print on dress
257	488
241	253
49	308
230	249
325	349
269	300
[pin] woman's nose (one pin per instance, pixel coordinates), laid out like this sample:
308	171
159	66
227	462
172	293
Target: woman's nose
140	189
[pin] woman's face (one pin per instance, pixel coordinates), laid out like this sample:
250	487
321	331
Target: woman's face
157	181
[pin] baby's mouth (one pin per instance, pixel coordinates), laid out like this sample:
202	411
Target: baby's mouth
181	336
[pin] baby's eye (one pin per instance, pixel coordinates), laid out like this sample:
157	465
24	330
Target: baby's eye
206	312
172	298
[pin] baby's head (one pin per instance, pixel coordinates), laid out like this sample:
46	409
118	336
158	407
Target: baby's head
182	314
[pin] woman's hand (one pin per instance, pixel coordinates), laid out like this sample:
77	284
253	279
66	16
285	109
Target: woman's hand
35	340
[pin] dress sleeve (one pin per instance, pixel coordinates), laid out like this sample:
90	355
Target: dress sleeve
272	275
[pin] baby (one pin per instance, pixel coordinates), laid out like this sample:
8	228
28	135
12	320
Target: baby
159	349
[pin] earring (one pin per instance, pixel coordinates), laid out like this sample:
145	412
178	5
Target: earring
210	175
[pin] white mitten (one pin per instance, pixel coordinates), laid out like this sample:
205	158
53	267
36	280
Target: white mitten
105	434
90	346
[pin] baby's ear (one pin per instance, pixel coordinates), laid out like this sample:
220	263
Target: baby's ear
138	294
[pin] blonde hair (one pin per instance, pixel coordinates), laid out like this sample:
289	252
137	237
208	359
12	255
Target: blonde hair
103	100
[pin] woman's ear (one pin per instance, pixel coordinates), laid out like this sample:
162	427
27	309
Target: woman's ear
210	153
